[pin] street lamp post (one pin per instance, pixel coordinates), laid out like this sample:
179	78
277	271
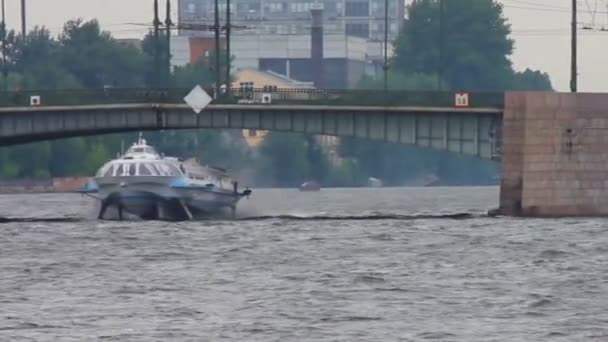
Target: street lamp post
218	74
441	46
23	27
157	67
227	47
574	66
385	66
4	71
168	25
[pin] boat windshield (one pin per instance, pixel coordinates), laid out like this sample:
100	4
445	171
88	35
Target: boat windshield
147	149
139	168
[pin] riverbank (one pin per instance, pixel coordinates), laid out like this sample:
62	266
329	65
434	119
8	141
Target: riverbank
50	185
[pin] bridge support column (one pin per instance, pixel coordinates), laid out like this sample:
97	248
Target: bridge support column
555	155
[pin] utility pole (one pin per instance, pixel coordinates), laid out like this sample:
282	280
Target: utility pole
23	27
168	24
441	46
574	65
228	47
4	71
156	24
216	27
385	66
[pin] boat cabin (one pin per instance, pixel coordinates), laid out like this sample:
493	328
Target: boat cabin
141	150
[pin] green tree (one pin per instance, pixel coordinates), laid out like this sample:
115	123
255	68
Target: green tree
400	81
319	167
202	72
476	54
283	160
476	45
96	59
531	80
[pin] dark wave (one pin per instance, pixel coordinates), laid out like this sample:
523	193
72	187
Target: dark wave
456	216
41	219
373	217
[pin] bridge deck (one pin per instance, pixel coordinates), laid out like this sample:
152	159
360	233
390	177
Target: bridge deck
244	96
470	131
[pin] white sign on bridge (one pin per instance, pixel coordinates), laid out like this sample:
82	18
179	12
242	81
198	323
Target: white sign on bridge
198	99
461	100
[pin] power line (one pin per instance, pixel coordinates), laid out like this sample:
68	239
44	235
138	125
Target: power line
546	8
540	6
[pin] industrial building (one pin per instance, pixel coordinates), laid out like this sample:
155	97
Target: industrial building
363	19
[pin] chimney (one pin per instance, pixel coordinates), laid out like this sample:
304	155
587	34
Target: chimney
316	49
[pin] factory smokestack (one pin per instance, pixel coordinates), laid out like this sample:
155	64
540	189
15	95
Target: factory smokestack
316	50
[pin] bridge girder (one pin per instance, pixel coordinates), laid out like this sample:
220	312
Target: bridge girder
473	132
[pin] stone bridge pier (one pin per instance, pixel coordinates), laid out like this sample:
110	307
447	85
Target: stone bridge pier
555	155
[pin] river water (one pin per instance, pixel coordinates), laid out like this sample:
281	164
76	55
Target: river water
337	265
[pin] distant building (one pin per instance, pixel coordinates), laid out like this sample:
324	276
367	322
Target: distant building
360	18
364	19
185	50
252	78
289	55
259	79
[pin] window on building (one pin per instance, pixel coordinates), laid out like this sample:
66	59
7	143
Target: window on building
191	8
358	30
246	85
275	7
299	7
357	9
222	8
254	7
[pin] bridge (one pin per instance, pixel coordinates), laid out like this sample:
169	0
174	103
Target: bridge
552	146
422	119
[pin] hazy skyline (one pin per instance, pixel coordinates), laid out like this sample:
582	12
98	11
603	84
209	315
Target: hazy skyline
540	30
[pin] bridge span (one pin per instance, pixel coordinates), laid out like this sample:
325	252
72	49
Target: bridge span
468	131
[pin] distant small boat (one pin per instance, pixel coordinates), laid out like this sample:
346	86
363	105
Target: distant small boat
310	186
374	182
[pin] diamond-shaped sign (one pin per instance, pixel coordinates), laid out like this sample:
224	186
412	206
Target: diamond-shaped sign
198	99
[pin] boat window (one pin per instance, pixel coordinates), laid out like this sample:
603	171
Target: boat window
146	170
155	169
138	149
132	169
119	171
174	171
105	171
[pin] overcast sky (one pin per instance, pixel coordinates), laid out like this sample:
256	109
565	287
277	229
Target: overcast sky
540	29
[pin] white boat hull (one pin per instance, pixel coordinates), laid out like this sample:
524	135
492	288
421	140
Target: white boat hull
144	183
162	198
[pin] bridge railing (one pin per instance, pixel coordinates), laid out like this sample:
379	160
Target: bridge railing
250	96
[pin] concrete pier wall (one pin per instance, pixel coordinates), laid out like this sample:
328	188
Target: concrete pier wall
555	155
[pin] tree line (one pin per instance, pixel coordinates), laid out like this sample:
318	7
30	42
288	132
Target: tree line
469	49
